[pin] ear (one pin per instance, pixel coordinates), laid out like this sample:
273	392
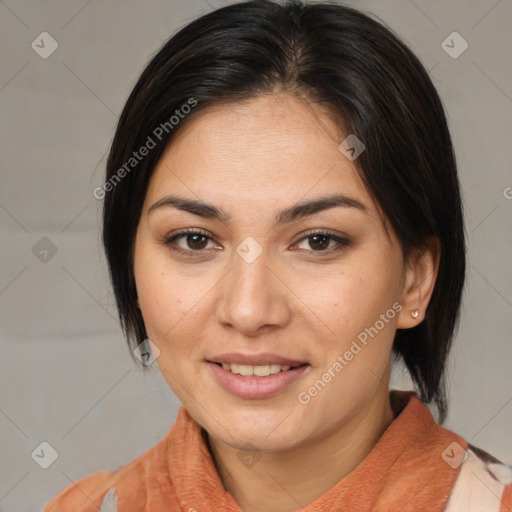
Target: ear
421	270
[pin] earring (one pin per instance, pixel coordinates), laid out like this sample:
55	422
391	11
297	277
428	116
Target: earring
415	313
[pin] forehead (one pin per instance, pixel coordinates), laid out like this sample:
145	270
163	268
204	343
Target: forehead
269	150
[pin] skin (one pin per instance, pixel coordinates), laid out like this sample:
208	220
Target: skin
254	159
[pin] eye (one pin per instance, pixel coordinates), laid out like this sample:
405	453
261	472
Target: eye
192	241
324	241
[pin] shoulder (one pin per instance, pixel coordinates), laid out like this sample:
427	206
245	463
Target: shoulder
102	491
83	495
91	493
125	489
484	483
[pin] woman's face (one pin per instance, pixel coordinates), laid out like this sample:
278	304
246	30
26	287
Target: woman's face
316	288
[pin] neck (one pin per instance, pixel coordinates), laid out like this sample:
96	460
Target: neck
291	480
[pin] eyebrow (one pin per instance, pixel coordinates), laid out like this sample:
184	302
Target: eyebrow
294	212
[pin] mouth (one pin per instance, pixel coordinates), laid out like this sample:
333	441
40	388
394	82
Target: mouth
256	377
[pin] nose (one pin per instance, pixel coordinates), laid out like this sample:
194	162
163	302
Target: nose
254	297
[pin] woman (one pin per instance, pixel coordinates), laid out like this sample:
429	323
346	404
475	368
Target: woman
282	217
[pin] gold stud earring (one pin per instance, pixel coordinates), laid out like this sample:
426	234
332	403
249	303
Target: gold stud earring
415	313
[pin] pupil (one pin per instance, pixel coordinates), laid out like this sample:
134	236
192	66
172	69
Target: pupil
323	245
195	243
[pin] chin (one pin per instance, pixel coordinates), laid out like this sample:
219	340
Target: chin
256	441
266	430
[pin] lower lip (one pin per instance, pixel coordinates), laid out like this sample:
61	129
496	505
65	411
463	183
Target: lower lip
256	387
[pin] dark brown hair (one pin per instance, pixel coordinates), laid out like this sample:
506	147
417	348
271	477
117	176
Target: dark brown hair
343	59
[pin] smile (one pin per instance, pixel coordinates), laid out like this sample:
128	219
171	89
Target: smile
256	382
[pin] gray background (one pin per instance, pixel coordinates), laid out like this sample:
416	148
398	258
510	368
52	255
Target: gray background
65	374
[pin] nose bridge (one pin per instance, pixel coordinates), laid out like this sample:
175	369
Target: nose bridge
250	287
252	295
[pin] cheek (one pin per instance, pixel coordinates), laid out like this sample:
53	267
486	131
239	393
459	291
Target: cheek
174	303
342	302
167	312
349	306
165	293
161	299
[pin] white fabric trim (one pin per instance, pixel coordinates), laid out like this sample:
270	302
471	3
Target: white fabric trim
479	485
109	503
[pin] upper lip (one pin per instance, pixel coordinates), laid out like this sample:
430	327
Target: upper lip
255	359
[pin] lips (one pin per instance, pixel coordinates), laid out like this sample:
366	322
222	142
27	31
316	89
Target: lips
253	387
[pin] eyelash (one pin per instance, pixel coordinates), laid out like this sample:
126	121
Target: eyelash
171	240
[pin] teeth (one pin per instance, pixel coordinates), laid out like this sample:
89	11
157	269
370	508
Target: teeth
259	371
